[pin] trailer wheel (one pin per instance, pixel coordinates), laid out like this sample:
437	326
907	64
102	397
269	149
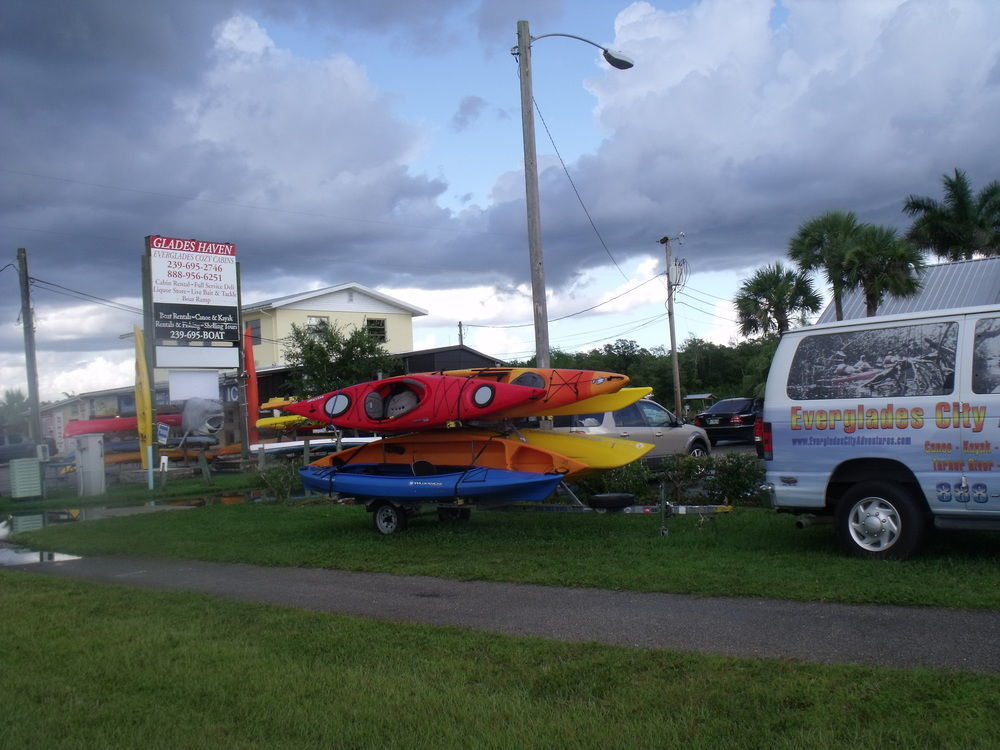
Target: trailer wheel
388	518
880	520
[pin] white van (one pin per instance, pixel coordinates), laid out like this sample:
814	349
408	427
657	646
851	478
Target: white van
889	425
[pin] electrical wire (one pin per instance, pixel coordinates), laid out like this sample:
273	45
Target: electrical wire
83	296
575	191
570	315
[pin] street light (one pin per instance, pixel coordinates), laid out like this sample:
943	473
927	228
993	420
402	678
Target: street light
523	53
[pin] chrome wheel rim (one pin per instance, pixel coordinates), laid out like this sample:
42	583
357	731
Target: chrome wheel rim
874	524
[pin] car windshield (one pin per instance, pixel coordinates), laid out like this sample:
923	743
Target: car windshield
731	405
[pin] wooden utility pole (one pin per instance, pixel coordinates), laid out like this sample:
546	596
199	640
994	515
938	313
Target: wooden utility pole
665	241
28	322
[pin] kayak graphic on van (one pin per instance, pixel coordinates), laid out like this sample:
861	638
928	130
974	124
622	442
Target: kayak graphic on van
889	425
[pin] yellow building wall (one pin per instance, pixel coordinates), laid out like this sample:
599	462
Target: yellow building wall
276	326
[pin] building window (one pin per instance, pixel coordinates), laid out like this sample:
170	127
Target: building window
315	322
376	328
254	326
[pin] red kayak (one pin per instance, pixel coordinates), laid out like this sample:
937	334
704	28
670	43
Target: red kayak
562	386
112	424
414	402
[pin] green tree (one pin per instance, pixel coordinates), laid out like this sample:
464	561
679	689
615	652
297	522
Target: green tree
822	243
323	358
769	299
962	225
14	410
883	263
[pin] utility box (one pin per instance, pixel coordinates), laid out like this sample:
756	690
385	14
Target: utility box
90	464
25	478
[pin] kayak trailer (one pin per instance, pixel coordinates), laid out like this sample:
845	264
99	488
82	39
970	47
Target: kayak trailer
389	517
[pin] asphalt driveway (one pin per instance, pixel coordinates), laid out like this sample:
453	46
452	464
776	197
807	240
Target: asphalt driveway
905	637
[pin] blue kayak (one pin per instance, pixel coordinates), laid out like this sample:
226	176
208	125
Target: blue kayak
399	482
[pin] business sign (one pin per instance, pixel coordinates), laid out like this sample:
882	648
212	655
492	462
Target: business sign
195	302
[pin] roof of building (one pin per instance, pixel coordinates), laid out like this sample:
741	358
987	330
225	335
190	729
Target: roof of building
945	286
294	299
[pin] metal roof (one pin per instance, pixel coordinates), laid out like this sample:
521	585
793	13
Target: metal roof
290	299
946	286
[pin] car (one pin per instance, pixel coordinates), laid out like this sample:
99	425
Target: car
731	419
645	421
13	445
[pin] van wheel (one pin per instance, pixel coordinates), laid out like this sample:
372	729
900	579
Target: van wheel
880	520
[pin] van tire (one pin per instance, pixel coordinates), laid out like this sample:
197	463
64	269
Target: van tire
880	520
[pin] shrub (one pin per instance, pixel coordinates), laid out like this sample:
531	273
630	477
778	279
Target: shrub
635	478
683	473
736	479
279	479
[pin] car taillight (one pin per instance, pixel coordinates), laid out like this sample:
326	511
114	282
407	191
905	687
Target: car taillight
736	419
762	440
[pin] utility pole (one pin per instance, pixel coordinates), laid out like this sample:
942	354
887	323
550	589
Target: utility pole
28	322
665	241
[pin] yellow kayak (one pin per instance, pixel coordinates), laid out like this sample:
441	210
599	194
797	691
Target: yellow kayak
286	423
276	403
599	452
604	402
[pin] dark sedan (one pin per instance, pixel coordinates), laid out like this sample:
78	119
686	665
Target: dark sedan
731	419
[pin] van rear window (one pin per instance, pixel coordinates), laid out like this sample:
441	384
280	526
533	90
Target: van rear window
914	360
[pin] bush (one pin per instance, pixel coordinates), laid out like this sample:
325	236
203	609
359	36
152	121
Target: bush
279	479
635	478
683	473
736	479
726	479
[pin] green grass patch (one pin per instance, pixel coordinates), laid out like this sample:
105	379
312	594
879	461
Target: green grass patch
89	665
749	552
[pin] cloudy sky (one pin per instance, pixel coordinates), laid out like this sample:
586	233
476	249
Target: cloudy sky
380	142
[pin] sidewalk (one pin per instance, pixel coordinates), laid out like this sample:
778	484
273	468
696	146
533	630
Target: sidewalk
760	628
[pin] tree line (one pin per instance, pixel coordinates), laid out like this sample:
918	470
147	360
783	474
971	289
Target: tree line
872	258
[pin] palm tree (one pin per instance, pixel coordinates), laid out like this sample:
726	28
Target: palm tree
883	263
822	243
769	299
960	226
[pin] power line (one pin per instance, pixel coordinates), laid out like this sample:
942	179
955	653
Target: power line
575	191
570	315
84	296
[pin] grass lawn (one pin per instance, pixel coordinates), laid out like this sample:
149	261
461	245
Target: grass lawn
94	666
750	552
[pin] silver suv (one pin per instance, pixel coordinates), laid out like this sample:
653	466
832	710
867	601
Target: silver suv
645	421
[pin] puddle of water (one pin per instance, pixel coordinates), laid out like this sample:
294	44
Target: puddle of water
20	556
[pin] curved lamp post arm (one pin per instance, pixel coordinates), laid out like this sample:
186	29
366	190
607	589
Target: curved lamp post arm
615	59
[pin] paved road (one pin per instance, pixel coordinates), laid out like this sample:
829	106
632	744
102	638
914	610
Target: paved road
831	633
